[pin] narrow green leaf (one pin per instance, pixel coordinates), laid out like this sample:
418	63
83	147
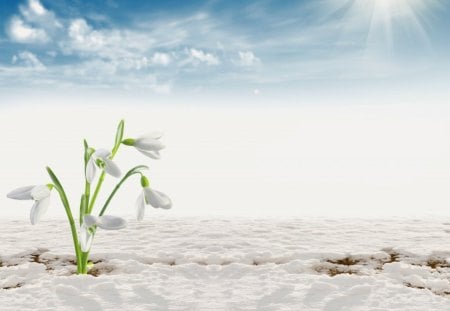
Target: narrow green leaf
66	205
86	154
119	136
137	169
54	178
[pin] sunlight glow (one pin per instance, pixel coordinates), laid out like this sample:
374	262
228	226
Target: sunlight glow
382	22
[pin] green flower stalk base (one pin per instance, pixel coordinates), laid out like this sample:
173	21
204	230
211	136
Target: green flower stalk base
83	232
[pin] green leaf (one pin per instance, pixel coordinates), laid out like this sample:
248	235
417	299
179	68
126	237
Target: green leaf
54	178
61	192
119	137
137	170
86	154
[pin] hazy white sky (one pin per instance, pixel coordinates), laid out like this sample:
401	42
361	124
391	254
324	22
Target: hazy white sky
322	160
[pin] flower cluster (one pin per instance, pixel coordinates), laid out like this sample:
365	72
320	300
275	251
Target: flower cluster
98	160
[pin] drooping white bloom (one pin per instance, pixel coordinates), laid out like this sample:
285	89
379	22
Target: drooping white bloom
106	222
110	167
152	197
41	196
86	237
149	145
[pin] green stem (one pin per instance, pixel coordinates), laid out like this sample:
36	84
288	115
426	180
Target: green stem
66	205
102	178
134	170
96	191
84	261
87	203
84	201
82	208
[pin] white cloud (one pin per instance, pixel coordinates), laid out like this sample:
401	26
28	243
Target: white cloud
247	58
35	24
201	56
122	50
29	60
19	31
112	55
161	59
112	44
83	37
36	13
36	7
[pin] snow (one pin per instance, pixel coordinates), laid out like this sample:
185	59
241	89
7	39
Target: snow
231	264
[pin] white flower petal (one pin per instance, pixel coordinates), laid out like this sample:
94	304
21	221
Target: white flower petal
151	154
86	238
109	222
157	199
102	153
40	192
22	193
152	135
149	144
140	207
39	208
111	168
90	220
167	201
91	170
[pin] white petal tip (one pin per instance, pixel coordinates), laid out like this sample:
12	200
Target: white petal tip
22	193
112	169
108	222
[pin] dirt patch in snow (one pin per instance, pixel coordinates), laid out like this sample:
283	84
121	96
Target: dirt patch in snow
54	264
13	286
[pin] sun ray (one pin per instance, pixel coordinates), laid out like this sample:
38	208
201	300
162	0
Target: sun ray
386	21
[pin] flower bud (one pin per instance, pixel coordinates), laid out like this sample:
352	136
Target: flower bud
144	182
129	141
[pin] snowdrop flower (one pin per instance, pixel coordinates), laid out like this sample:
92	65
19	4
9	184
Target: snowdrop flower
148	145
106	222
155	198
41	196
100	158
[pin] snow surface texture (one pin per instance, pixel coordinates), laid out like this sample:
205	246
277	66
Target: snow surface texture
231	264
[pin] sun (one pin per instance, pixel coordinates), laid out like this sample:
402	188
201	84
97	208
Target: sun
383	22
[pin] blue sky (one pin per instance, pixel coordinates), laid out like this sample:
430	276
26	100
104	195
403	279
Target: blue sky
278	48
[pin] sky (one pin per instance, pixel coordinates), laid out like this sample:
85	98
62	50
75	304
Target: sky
268	108
296	49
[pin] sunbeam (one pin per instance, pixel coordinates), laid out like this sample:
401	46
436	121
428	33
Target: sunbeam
383	22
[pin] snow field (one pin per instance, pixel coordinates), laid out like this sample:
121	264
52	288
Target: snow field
231	264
